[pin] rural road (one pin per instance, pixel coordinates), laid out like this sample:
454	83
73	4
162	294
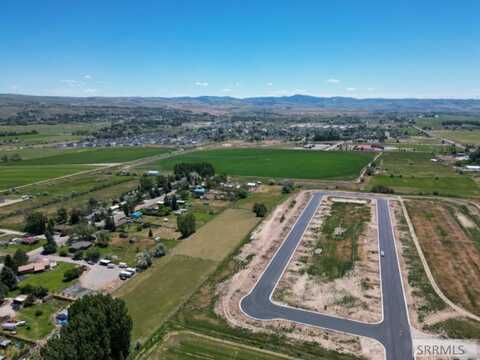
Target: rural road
393	332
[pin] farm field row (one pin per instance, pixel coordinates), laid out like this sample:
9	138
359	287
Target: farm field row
471	137
95	156
276	163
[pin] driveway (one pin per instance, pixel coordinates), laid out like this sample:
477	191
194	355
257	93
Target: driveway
393	332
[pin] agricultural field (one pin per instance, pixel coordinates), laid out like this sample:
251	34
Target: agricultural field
470	137
95	156
185	346
415	173
13	176
276	163
449	235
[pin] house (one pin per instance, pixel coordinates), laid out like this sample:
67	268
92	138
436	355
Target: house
35	267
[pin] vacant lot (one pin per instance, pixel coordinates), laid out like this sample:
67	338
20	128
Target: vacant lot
95	156
449	235
277	163
185	346
12	176
414	172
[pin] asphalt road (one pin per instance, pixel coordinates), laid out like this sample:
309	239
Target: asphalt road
393	332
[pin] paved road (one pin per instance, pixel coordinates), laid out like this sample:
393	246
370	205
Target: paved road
393	332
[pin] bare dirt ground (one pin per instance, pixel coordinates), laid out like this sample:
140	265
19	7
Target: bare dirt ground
450	251
256	255
356	296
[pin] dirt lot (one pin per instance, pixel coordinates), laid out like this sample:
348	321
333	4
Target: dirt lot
255	255
449	237
352	293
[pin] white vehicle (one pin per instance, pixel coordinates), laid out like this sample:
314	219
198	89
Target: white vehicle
124	275
111	265
122	265
104	262
131	270
382	253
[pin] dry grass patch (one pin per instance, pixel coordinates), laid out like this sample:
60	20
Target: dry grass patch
452	250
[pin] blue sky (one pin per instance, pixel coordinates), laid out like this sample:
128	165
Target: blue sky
423	48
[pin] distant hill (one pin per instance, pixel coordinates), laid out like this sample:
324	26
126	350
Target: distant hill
217	104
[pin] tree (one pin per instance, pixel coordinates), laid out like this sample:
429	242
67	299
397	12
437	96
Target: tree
144	260
75	215
10	263
35	223
72	274
186	224
260	209
20	257
84	231
146	184
8	277
150	232
110	223
159	250
92	254
103	238
51	246
99	327
50	226
62	216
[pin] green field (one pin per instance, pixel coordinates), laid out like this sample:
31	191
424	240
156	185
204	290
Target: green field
95	156
277	163
471	137
12	176
185	346
415	173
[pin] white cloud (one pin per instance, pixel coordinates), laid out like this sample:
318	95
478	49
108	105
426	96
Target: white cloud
226	90
88	77
201	83
90	91
350	89
269	84
71	83
333	81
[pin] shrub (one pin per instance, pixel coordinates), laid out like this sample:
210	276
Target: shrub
72	274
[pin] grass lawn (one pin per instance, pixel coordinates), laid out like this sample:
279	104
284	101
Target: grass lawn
95	156
39	319
185	346
50	279
12	176
277	163
11	248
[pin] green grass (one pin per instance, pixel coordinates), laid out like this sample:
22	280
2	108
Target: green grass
277	163
333	262
39	326
95	156
50	279
471	137
12	176
155	294
11	248
415	173
458	328
185	346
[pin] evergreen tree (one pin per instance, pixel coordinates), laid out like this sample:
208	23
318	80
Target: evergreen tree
8	277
